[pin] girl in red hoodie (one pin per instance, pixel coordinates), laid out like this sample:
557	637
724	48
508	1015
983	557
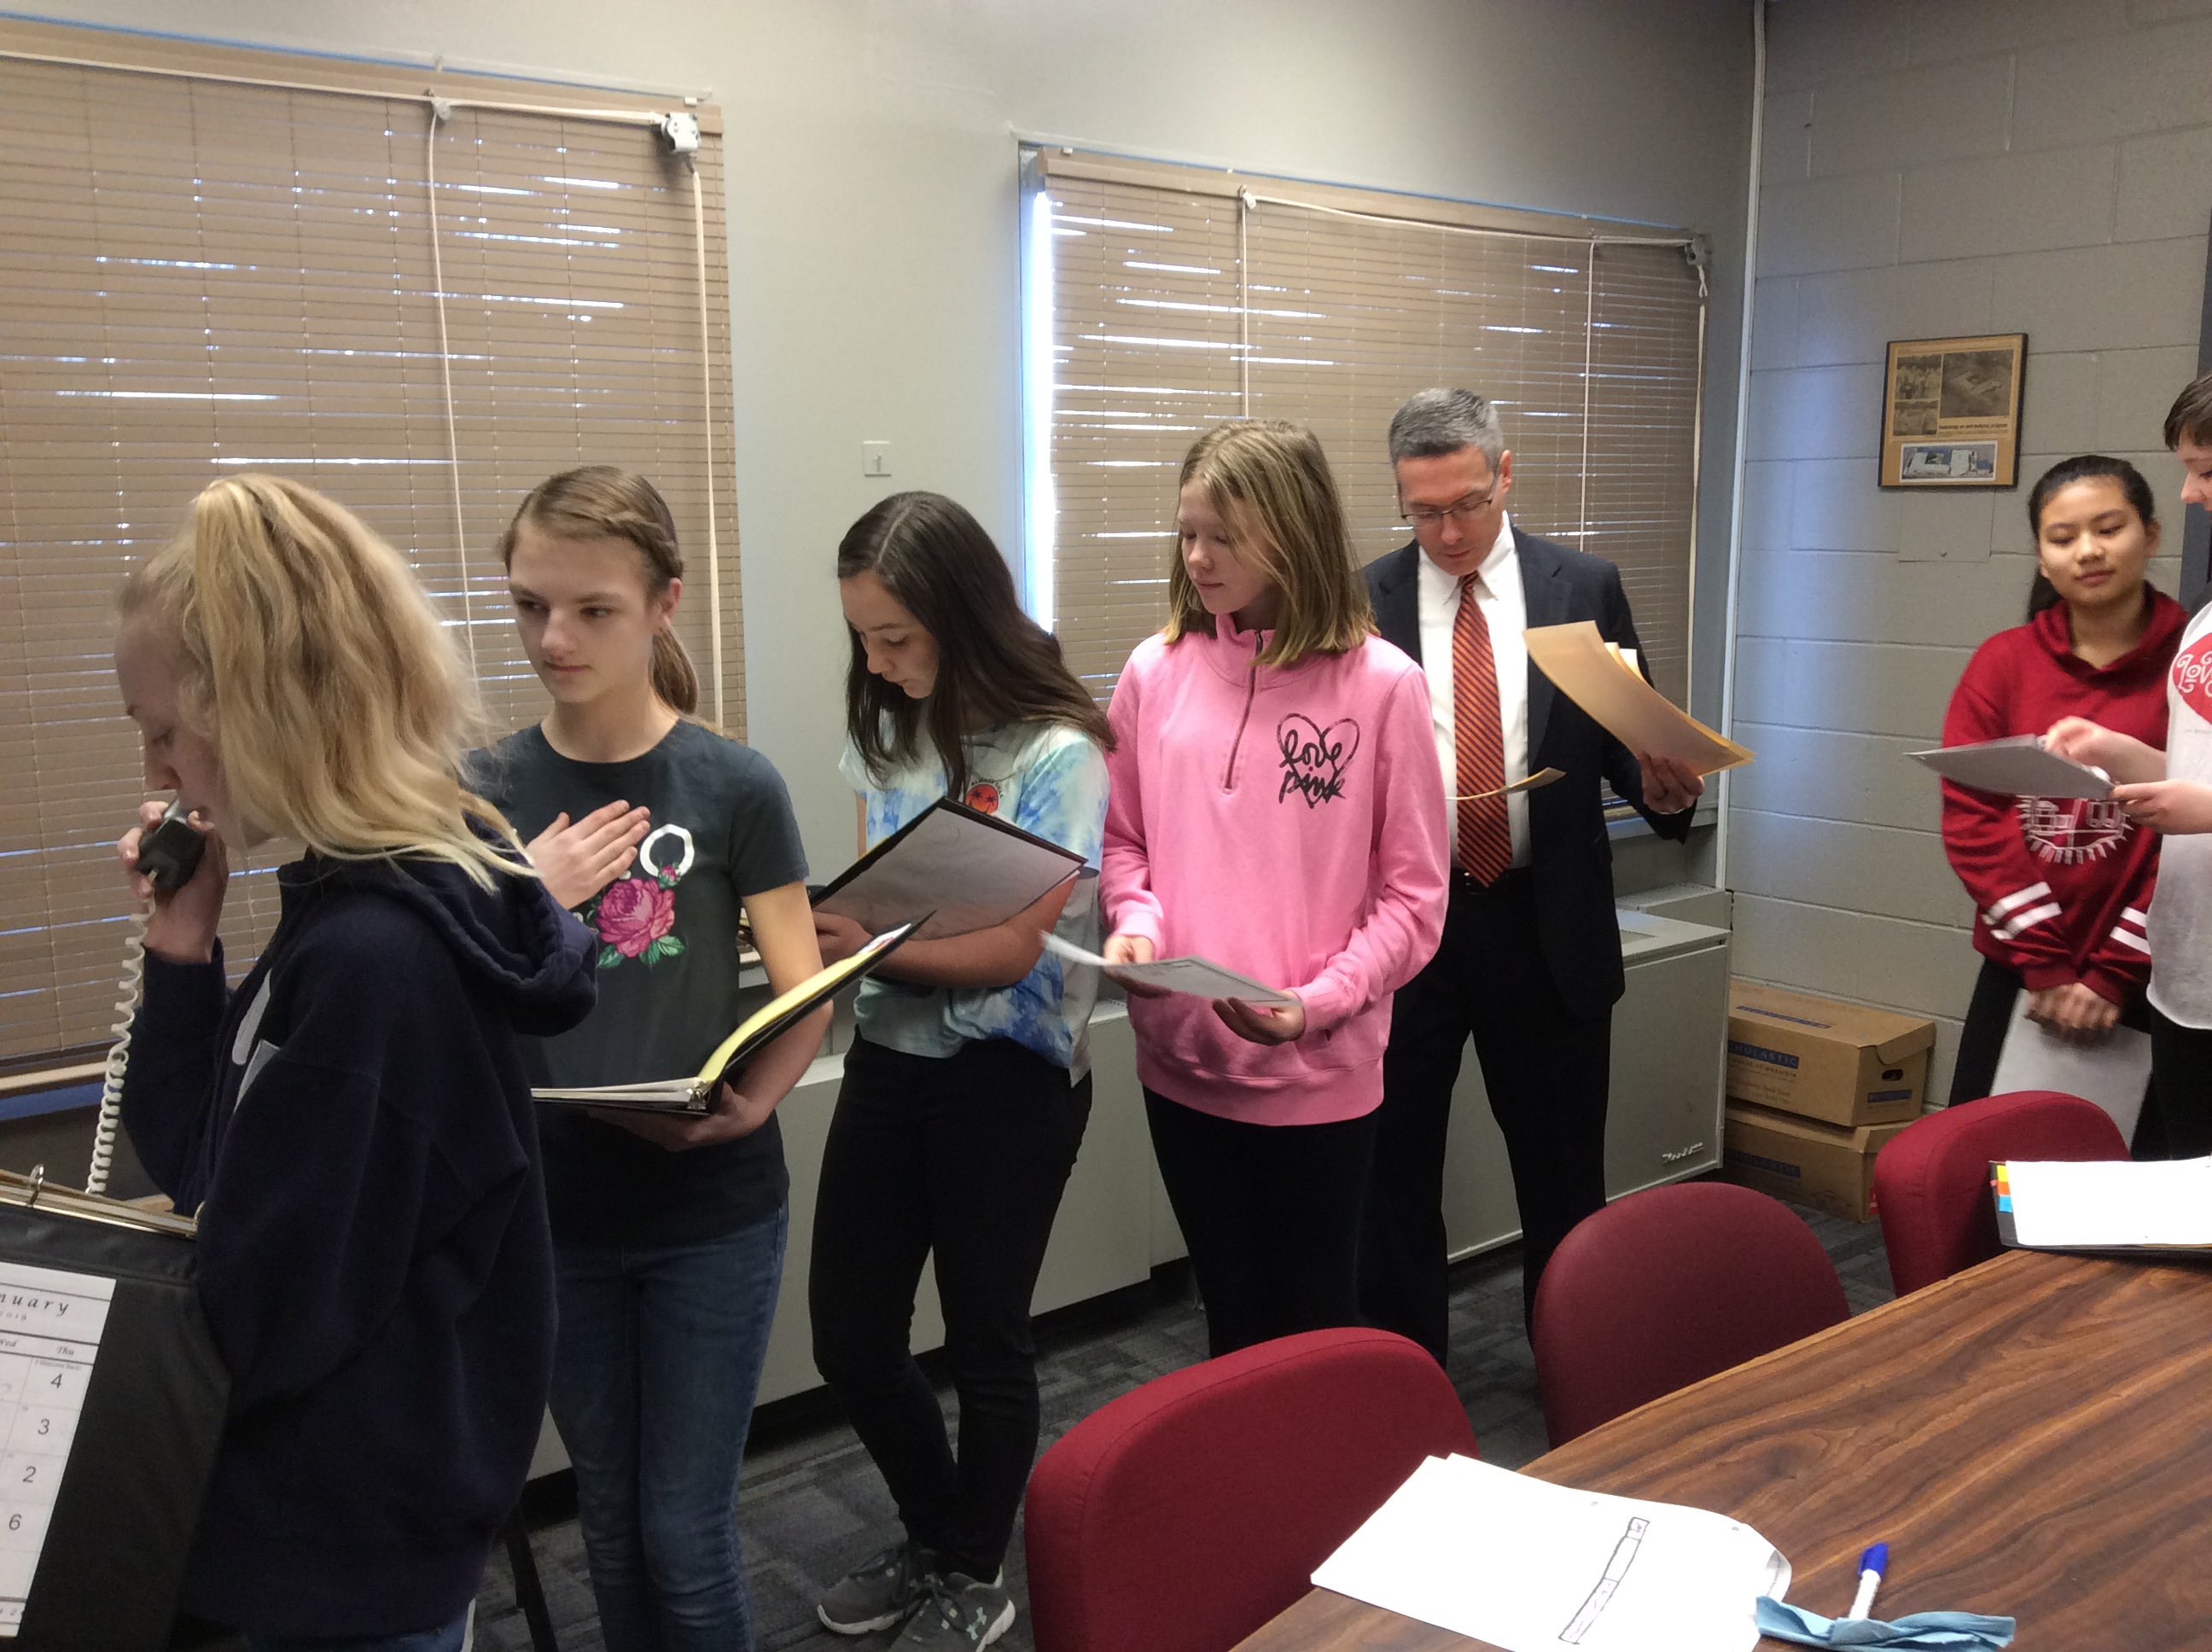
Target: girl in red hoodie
2061	885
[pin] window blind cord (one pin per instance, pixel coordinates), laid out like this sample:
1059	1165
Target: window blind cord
1738	469
1589	354
441	110
118	1053
1245	202
707	419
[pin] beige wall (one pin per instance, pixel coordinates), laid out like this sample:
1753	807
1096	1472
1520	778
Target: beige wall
1933	169
872	196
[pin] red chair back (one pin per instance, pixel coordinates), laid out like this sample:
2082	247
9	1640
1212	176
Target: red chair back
1666	1287
1183	1516
1931	1184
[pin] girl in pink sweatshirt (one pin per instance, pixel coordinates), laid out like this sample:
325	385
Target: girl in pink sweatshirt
1276	806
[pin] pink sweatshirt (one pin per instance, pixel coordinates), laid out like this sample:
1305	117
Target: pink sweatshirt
1287	822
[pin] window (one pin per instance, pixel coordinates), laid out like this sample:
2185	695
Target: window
223	260
1162	299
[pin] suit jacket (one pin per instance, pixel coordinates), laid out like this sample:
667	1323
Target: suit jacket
1570	854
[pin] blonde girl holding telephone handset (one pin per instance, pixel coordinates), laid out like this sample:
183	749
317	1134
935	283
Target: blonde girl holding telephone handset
353	1123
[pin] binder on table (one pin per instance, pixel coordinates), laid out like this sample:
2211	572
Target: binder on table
113	1399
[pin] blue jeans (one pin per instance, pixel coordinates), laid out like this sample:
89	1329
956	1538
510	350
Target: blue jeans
654	1379
450	1638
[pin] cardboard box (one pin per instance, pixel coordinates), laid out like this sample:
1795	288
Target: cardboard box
1821	1165
1842	1064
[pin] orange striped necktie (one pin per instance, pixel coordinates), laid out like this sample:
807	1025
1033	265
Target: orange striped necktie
1483	843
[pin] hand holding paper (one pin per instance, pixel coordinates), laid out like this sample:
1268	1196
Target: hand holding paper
965	870
1592	673
1670	785
2022	766
1200	977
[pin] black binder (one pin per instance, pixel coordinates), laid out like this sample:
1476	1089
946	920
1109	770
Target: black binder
114	1556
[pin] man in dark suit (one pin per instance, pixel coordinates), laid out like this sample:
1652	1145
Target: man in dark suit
1529	966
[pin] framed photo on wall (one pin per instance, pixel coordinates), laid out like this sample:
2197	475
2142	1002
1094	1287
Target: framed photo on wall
1950	412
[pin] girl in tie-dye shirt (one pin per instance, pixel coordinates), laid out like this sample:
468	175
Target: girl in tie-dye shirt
968	1088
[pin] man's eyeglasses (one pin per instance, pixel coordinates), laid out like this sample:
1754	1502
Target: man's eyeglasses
1428	519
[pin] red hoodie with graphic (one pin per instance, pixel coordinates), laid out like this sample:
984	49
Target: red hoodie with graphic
2061	885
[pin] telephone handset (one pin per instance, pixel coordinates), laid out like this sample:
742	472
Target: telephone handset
168	857
170	853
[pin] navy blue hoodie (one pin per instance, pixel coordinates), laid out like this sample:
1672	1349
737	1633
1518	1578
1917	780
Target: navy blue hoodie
353	1127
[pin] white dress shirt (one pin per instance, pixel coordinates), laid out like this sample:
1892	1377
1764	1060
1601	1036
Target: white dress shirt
1497	590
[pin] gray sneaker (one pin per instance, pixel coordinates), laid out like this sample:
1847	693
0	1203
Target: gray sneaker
880	1593
956	1614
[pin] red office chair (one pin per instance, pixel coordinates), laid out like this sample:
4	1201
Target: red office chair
1666	1287
1183	1516
1932	1183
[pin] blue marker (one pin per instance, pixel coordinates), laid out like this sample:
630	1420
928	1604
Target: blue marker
1872	1564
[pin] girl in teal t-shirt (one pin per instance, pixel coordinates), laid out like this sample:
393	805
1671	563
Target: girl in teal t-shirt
968	1088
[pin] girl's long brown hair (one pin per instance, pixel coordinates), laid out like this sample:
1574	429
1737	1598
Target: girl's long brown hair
601	501
994	664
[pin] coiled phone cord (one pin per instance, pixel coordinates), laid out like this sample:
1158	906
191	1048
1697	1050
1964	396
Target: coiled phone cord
118	1053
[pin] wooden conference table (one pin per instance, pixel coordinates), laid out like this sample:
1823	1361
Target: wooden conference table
2032	1438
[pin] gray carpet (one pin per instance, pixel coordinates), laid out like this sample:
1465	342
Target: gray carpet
812	1505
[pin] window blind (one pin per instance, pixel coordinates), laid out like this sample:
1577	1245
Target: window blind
210	274
1181	297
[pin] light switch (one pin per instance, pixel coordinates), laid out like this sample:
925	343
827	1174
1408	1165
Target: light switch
875	459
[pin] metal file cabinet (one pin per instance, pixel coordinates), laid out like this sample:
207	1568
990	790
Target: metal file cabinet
1663	1121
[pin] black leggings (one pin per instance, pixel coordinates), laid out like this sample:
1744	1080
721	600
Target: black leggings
1271	1214
965	1156
2178	1117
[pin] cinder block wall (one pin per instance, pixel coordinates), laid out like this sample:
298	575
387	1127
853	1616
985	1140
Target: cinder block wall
1932	169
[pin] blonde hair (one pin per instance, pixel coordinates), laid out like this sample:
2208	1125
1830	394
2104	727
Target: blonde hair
1270	484
600	502
339	708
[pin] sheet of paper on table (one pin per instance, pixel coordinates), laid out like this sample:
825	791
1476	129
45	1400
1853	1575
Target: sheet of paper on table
2111	1204
2019	766
1200	977
1597	677
2112	1072
1533	1567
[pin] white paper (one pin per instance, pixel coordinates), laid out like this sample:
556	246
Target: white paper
1200	977
2018	766
50	1326
1533	1567
2111	1072
2110	1202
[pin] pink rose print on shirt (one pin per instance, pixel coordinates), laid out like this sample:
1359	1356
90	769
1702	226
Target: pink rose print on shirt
633	916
